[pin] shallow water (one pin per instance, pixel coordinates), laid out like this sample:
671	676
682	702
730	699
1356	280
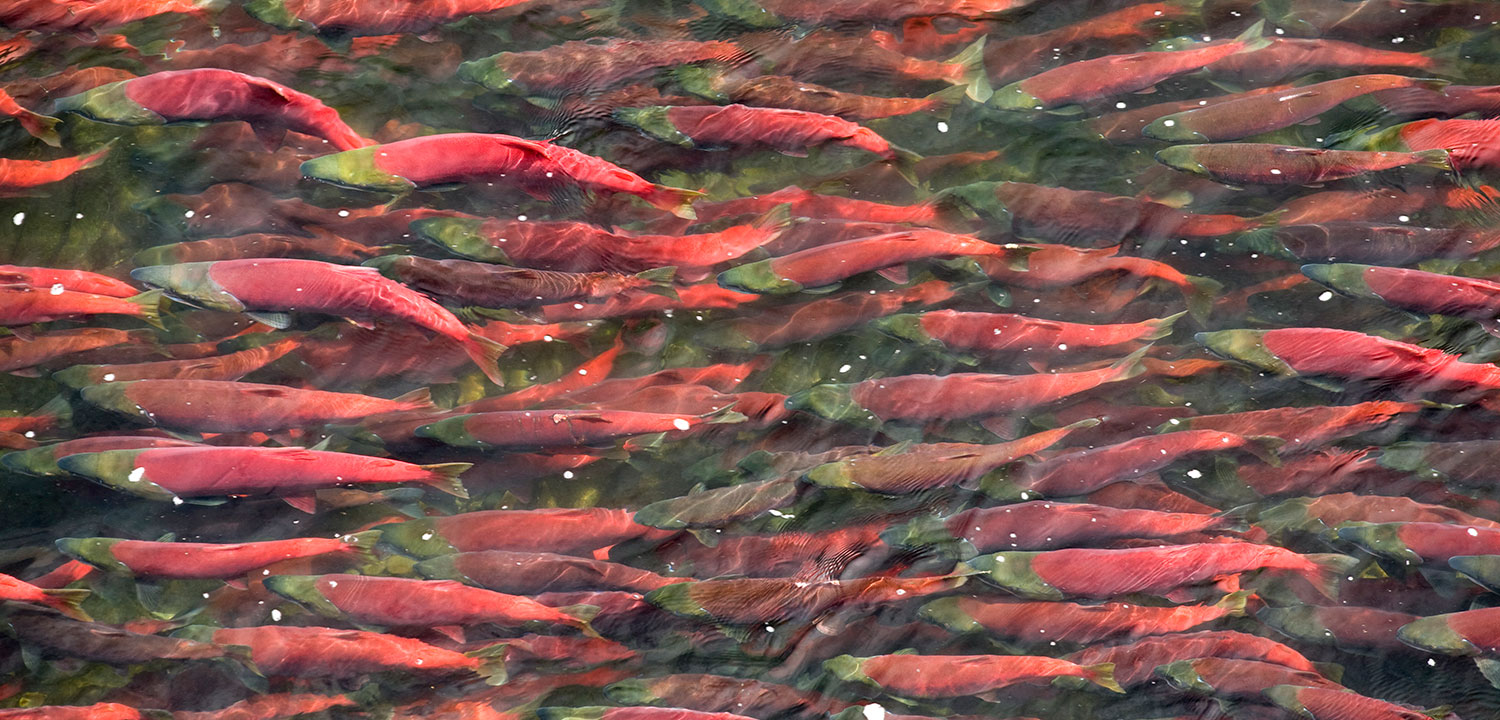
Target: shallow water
1288	454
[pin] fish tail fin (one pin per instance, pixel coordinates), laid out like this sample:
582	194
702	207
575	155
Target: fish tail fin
1253	38
944	101
492	662
677	201
1162	327
444	476
1131	365
66	601
1329	570
96	157
904	162
41	127
1234	603
1199	294
149	303
973	76
585	615
660	280
362	544
1438	158
419	399
723	416
1103	675
486	354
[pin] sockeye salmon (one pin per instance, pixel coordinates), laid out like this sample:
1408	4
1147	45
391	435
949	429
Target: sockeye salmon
214	561
224	406
947	676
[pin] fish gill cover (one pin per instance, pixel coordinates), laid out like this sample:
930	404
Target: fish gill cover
707	360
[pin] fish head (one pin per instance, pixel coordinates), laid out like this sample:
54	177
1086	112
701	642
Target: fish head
416	538
356	169
461	236
655	123
109	103
759	278
451	431
1299	622
1285	697
274	13
75	377
631	692
1433	634
571	713
1245	346
677	599
1182	157
487	73
303	590
1482	569
37	462
1014	97
115	397
946	613
1173	128
662	514
1379	539
905	326
191	283
1347	278
1183	676
834	402
835	474
157	255
1010	571
116	469
94	551
442	567
848	668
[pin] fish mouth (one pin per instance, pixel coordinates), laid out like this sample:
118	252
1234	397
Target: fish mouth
1244	346
758	278
487	73
303	590
1180	157
355	169
1484	570
114	398
109	103
460	236
831	402
1346	278
416	538
1434	635
37	462
1013	97
94	551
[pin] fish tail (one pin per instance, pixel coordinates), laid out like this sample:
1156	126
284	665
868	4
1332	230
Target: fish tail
1253	38
486	354
944	101
41	127
904	162
1437	158
1131	365
1162	327
445	477
1234	603
1199	294
492	662
419	399
66	601
1328	571
973	76
1103	675
773	222
585	615
723	416
362	544
677	201
149	303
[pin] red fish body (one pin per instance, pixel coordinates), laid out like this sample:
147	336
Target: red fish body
223	367
557	428
1128	126
321	246
804	203
85	15
21	355
1232	678
1103	77
1416	290
786	325
1262	113
1324	703
929	466
42	461
1083	471
80	281
1006	333
1047	525
221	406
1135	661
212	94
1363	242
584	66
1096	219
406	602
1346	626
463	282
776	601
1472	144
1042	267
98	711
285	651
568	531
1043	622
1285	58
946	676
215	561
1267	164
740	126
25	304
529	573
828	264
64	601
24	174
1307	428
373	17
777	91
535	167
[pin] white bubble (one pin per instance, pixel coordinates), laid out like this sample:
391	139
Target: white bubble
1326	296
57	289
275	615
136	474
681	424
19	218
942	127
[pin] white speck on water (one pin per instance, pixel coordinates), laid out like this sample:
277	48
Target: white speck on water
567	474
1195	473
681	424
1326	296
136	474
189	214
275	615
1120	105
57	289
845	368
19	218
942	126
77	216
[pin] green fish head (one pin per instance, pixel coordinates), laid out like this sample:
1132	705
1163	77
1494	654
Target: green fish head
115	469
275	13
704	81
355	169
832	402
450	431
654	122
905	326
757	277
662	514
1182	157
1285	697
1347	278
37	462
78	376
1244	346
1173	128
157	255
303	590
109	103
1482	569
947	613
1011	571
1014	97
847	668
114	397
94	551
416	538
1433	634
1183	676
488	73
1299	622
461	236
631	692
571	713
167	215
678	599
442	567
1379	539
191	283
834	474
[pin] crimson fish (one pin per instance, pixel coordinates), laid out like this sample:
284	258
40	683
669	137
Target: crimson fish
270	288
190	472
1089	573
1103	77
286	651
380	17
841	59
1345	626
783	554
39	126
571	531
1321	703
826	265
901	470
805	203
957	396
1321	514
1016	57
714	508
405	602
986	332
1303	428
232	366
631	713
1044	622
1042	267
779	601
1282	58
321	245
1265	112
1416	291
785	325
537	168
214	95
63	600
42	461
1079	472
791	132
463	282
216	561
56	635
779	91
20	356
719	693
1267	164
947	676
1229	678
225	406
560	428
583	66
81	281
97	711
270	706
532	573
1353	241
1046	525
63	16
1136	660
26	304
1127	126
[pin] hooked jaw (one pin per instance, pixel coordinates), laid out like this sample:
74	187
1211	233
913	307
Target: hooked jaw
1011	571
303	590
1014	97
1346	278
452	431
191	283
38	462
1246	347
905	326
94	551
1173	129
115	398
1379	539
759	278
1180	157
831	402
111	104
356	169
487	73
417	538
115	469
834	474
460	235
654	122
1434	635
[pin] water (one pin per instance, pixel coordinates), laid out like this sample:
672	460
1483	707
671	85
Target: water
1086	395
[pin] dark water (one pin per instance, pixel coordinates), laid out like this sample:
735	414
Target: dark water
991	352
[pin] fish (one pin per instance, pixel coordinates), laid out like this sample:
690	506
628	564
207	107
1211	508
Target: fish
1284	58
1046	622
288	651
232	366
1263	113
97	711
270	288
735	126
1347	627
584	66
406	602
213	94
537	168
1268	164
787	325
42	461
721	694
462	282
1230	678
21	356
1045	525
819	268
945	676
1303	429
321	245
80	281
783	601
1079	472
56	635
779	91
1043	267
227	406
1353	242
63	600
1415	290
533	573
212	561
561	428
1136	661
87	15
26	304
382	17
568	531
985	332
1333	704
900	470
842	60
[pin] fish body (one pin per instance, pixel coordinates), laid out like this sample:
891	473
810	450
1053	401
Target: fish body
1348	627
65	601
741	126
463	282
322	245
1044	622
945	676
1135	661
570	531
21	355
1283	58
224	406
926	467
777	601
826	265
987	332
406	602
81	281
25	304
1354	241
1321	703
286	651
1049	525
213	561
1080	472
532	573
583	66
557	428
233	366
1267	164
1234	678
1415	290
380	17
1264	112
